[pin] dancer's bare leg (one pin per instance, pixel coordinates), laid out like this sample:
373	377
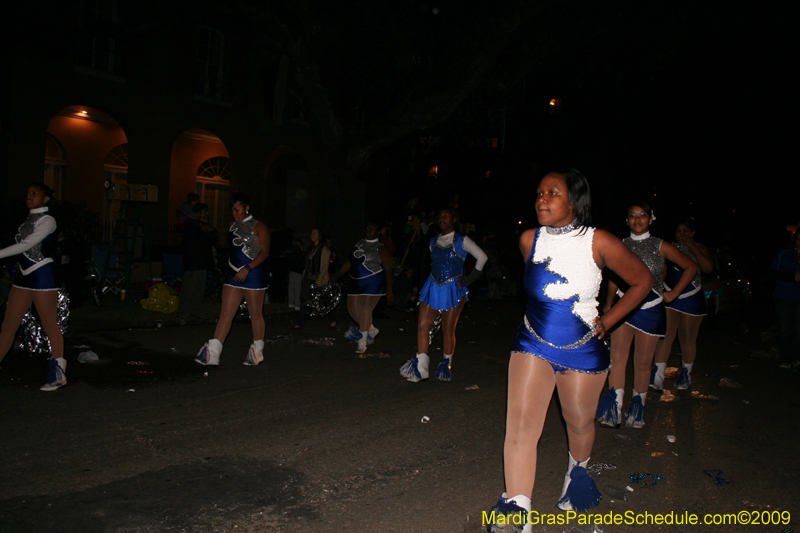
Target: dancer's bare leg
46	303
621	341
427	315
643	353
664	347
531	381
255	306
19	301
449	323
367	304
231	298
688	330
578	394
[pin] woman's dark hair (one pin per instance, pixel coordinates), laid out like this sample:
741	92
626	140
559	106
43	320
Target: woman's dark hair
644	205
240	197
579	195
46	190
687	221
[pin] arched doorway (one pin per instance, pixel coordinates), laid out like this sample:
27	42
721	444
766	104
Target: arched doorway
200	164
82	145
213	188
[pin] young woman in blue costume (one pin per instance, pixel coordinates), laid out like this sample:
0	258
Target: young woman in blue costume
38	283
248	248
370	268
560	343
646	325
685	313
444	291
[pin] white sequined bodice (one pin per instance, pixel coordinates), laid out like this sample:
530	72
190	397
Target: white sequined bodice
570	256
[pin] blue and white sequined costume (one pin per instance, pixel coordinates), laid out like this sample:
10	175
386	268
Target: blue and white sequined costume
651	315
366	269
692	301
562	282
441	290
36	242
243	247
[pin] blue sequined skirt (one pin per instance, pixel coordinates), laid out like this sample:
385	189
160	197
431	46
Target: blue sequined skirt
256	280
694	305
44	278
442	297
374	285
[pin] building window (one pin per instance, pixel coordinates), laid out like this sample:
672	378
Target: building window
97	47
210	52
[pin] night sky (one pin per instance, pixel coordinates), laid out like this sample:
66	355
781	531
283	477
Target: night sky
685	106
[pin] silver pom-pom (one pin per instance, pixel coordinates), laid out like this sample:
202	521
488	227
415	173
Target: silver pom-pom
435	327
323	300
31	336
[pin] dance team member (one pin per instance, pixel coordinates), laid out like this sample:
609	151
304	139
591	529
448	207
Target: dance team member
370	268
37	284
685	313
646	325
559	344
248	248
444	291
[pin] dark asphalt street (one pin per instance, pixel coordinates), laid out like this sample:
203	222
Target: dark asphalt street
318	439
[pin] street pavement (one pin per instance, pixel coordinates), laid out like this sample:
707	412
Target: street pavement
319	439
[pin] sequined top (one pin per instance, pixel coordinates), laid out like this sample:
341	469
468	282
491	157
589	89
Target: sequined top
575	277
447	262
366	258
35	253
244	236
244	244
36	239
698	277
649	251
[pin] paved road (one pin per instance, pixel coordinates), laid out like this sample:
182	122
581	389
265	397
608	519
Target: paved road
320	440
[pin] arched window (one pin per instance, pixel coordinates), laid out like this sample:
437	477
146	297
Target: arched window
215	168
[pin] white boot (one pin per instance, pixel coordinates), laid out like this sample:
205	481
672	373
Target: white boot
579	492
373	332
417	368
256	354
361	347
657	378
209	353
684	380
635	416
56	374
443	370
